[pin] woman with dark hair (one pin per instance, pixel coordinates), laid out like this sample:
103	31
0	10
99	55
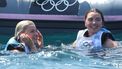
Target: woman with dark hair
95	36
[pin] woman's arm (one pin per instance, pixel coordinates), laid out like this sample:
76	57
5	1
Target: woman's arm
110	43
108	40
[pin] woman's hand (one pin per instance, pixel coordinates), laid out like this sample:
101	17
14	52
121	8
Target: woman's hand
24	38
74	44
40	40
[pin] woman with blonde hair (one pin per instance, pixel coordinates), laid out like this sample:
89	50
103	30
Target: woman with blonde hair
27	38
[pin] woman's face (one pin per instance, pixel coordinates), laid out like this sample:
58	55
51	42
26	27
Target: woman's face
93	22
31	30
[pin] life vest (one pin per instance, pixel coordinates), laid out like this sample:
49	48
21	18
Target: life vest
93	42
14	44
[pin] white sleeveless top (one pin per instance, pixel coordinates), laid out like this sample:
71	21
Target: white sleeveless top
93	42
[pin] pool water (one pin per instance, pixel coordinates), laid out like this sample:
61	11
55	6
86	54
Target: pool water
61	56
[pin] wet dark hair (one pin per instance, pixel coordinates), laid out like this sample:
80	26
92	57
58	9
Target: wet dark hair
95	10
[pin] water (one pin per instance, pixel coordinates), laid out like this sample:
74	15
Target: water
61	59
61	56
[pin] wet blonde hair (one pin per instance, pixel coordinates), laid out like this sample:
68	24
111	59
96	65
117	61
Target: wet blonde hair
21	26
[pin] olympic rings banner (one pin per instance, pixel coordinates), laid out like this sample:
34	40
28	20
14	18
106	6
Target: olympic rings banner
54	7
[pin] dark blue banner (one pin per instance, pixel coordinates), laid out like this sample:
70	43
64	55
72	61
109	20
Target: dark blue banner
56	7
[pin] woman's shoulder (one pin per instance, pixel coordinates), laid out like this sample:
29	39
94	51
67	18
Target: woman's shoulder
105	30
82	31
12	40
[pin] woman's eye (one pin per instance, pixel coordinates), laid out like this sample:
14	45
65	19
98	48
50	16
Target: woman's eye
33	31
98	19
90	19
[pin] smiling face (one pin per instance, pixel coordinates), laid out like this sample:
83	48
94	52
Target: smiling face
93	22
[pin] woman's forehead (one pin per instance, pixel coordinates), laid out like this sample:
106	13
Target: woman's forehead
93	14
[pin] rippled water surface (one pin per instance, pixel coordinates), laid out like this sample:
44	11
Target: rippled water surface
61	56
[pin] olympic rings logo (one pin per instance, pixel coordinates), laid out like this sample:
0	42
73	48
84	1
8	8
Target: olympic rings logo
55	4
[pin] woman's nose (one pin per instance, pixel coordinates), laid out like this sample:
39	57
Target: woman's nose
93	22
